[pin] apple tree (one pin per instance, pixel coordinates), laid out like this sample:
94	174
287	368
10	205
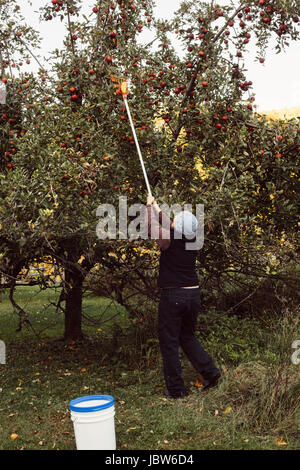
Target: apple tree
196	123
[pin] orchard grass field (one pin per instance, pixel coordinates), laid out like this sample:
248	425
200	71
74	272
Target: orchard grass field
256	405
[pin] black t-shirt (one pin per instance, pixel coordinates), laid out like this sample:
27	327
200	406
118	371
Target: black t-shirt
177	264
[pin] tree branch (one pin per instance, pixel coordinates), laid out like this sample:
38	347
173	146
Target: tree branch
196	71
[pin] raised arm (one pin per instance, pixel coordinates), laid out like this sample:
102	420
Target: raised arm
155	217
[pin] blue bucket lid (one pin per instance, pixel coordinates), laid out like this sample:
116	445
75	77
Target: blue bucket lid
75	404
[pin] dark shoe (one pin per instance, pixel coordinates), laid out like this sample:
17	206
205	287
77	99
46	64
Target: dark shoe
212	382
176	397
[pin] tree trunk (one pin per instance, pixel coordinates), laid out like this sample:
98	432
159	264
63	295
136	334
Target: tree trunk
73	311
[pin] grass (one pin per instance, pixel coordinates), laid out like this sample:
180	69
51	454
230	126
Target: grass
256	405
46	321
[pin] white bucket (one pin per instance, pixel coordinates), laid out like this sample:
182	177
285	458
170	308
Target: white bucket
93	420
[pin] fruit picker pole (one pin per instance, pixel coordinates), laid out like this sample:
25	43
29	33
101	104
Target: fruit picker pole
124	90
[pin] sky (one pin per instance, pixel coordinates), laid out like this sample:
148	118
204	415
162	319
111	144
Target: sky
276	83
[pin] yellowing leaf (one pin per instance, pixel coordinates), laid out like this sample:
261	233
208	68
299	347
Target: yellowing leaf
14	436
228	410
281	442
198	384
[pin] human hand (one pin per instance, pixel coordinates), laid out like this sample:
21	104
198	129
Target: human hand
150	200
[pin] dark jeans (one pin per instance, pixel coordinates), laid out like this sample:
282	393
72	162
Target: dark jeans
177	320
